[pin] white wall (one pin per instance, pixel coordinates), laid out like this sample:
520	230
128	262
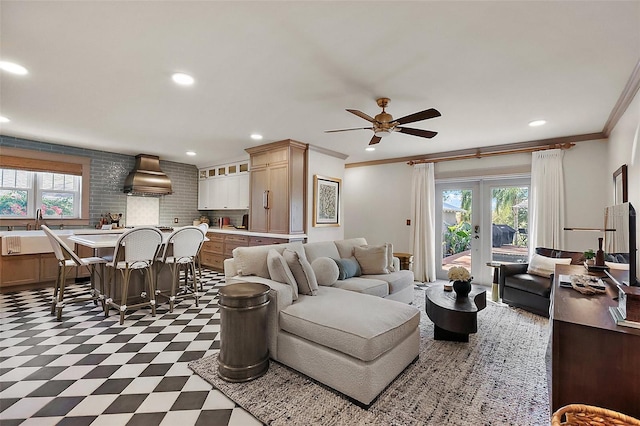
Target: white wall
377	202
586	184
624	148
324	164
377	199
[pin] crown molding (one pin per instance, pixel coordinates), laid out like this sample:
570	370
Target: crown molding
625	99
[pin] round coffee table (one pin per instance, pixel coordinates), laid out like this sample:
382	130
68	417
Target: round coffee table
454	318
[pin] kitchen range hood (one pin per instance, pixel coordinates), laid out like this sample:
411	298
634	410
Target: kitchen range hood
146	178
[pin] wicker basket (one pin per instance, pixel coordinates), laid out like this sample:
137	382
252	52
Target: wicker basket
588	415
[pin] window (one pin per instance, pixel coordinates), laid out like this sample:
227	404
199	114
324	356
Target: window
16	188
22	193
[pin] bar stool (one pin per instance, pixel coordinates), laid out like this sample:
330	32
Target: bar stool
180	252
204	227
135	250
67	259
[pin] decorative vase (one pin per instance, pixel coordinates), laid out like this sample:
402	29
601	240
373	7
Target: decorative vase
462	288
600	253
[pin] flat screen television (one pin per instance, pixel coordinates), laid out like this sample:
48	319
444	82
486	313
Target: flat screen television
622	241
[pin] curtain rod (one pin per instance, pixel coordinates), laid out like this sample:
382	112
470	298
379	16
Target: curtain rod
480	154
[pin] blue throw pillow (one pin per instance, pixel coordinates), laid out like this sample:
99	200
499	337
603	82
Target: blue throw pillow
348	268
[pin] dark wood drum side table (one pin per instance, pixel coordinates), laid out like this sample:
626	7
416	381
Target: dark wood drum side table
454	318
244	354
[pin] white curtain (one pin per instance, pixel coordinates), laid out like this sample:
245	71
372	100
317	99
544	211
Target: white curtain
423	208
547	200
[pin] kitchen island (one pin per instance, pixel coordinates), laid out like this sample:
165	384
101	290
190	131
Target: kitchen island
27	258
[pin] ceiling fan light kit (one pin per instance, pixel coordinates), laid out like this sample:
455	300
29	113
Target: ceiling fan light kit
384	124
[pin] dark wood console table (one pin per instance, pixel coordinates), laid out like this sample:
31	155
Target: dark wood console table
593	360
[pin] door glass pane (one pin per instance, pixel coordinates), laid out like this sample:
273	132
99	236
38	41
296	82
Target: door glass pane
510	224
456	228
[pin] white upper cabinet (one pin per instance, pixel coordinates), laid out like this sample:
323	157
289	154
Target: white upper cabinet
203	194
224	187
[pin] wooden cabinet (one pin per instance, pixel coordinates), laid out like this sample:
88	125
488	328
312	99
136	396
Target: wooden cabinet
49	268
593	360
278	187
265	241
84	251
224	187
18	270
24	269
233	241
220	246
212	251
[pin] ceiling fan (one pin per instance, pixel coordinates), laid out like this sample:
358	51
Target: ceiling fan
384	124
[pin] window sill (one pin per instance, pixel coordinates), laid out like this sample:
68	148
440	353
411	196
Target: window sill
48	222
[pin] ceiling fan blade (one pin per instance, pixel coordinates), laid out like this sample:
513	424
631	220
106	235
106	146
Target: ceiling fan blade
347	130
362	115
419	116
416	132
375	140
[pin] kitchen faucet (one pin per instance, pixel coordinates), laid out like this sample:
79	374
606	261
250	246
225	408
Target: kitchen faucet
39	219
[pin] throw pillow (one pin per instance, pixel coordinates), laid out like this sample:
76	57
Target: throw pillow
373	260
347	268
619	266
280	272
544	266
326	271
302	272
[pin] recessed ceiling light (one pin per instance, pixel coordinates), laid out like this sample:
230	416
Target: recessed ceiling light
13	68
536	123
183	79
370	148
256	137
4	119
191	153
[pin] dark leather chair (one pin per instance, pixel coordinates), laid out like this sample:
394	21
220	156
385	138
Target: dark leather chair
527	291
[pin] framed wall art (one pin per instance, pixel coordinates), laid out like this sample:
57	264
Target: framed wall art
326	201
620	185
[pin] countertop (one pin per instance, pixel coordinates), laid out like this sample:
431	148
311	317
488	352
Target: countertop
235	231
93	231
79	231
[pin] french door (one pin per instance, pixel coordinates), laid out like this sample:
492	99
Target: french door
481	221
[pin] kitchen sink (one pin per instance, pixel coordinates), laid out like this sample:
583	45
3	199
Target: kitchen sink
31	242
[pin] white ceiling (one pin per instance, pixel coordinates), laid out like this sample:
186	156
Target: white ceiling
99	72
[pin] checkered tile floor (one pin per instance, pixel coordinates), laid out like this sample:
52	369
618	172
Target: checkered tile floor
88	370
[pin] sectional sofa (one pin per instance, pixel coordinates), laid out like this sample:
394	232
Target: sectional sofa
354	335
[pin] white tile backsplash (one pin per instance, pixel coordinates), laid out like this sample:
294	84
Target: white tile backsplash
142	211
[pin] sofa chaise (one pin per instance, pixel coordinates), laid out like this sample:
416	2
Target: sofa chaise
354	335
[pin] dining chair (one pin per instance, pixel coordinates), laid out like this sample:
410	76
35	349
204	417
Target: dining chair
136	250
204	227
68	259
180	253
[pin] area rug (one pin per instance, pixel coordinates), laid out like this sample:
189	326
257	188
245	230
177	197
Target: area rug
498	378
